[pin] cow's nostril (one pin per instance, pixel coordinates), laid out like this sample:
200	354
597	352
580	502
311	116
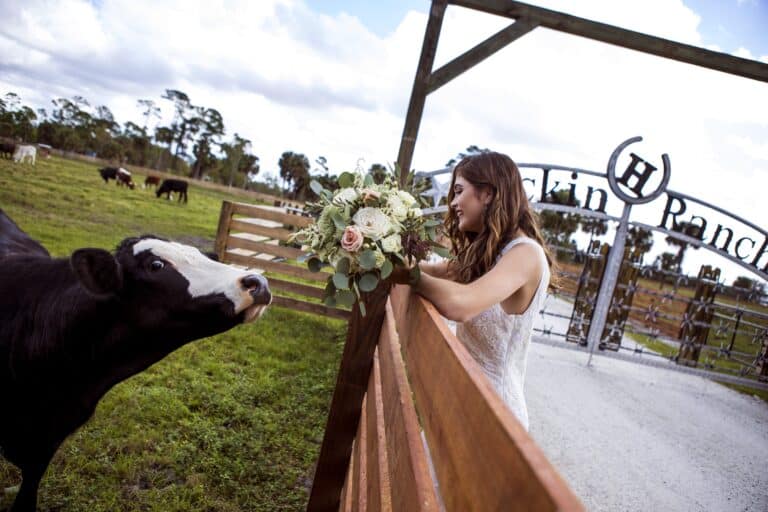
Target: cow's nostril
253	282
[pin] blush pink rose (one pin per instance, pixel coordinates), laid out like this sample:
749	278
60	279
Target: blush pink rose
352	239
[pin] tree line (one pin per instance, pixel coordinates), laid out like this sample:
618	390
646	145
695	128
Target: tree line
193	143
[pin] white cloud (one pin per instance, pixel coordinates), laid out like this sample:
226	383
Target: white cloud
290	78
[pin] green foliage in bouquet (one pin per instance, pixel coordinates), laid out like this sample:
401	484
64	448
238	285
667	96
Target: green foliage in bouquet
365	230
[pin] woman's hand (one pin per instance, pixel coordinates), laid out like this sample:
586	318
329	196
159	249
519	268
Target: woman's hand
405	275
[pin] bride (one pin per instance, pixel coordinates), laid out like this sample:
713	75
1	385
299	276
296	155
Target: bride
495	283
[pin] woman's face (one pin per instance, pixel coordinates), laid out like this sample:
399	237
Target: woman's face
469	204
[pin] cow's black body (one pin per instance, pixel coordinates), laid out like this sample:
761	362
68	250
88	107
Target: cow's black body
108	173
7	149
171	185
14	241
70	329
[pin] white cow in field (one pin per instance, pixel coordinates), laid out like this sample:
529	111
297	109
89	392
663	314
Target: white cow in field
22	152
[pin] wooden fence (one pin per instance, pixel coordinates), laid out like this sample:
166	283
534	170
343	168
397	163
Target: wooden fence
481	457
402	370
255	237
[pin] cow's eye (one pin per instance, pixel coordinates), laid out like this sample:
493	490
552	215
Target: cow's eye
156	265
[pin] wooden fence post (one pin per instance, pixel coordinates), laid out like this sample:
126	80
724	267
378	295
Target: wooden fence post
223	231
346	405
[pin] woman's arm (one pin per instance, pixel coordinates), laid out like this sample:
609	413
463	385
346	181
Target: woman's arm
436	269
460	302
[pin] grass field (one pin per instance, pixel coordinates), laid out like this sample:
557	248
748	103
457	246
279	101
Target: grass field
229	423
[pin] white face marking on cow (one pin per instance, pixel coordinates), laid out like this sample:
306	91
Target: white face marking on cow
205	276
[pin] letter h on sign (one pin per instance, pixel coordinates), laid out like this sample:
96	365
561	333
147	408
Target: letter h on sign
642	177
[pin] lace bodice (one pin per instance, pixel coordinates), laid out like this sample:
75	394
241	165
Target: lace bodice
499	342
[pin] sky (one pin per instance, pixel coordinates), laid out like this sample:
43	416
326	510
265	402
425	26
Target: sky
332	78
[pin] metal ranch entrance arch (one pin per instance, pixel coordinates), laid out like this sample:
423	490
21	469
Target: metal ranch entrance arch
609	280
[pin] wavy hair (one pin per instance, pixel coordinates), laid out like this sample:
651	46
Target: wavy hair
508	211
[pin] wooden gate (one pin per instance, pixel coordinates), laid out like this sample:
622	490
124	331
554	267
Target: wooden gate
256	237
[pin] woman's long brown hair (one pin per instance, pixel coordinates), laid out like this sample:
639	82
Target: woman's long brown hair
509	211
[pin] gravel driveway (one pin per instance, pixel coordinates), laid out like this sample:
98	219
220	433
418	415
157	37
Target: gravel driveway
633	437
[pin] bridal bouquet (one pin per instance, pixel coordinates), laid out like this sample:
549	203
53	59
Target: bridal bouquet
364	231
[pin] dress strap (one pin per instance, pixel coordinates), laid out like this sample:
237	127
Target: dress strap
518	240
531	241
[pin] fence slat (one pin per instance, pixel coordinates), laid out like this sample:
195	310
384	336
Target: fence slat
274	233
236	242
483	457
308	307
379	498
276	267
408	467
347	499
360	499
266	213
301	289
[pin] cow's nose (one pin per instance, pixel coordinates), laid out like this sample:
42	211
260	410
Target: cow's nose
257	286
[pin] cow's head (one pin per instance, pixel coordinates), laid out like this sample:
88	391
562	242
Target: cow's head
167	285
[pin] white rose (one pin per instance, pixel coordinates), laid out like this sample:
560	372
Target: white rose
397	207
391	244
406	198
416	212
346	195
372	222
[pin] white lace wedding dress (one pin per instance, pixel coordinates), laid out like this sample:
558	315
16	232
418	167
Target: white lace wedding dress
499	342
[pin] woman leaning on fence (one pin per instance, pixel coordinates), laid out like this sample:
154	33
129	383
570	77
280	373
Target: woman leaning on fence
496	281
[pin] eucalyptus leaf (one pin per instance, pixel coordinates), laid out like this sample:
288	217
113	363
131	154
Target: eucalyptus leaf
346	179
327	195
316	187
342	266
431	233
338	220
341	281
368	180
345	298
368	282
386	269
368	259
314	264
433	222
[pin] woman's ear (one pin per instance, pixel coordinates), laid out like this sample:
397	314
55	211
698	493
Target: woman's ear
486	196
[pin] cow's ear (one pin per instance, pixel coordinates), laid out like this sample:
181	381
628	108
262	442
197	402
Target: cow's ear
98	271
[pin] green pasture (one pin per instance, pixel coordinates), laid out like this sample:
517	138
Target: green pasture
229	423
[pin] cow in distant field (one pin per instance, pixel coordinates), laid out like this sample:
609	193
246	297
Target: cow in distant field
22	152
7	149
124	178
153	181
171	185
72	328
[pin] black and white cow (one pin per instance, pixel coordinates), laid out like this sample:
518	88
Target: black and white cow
124	178
72	328
172	185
